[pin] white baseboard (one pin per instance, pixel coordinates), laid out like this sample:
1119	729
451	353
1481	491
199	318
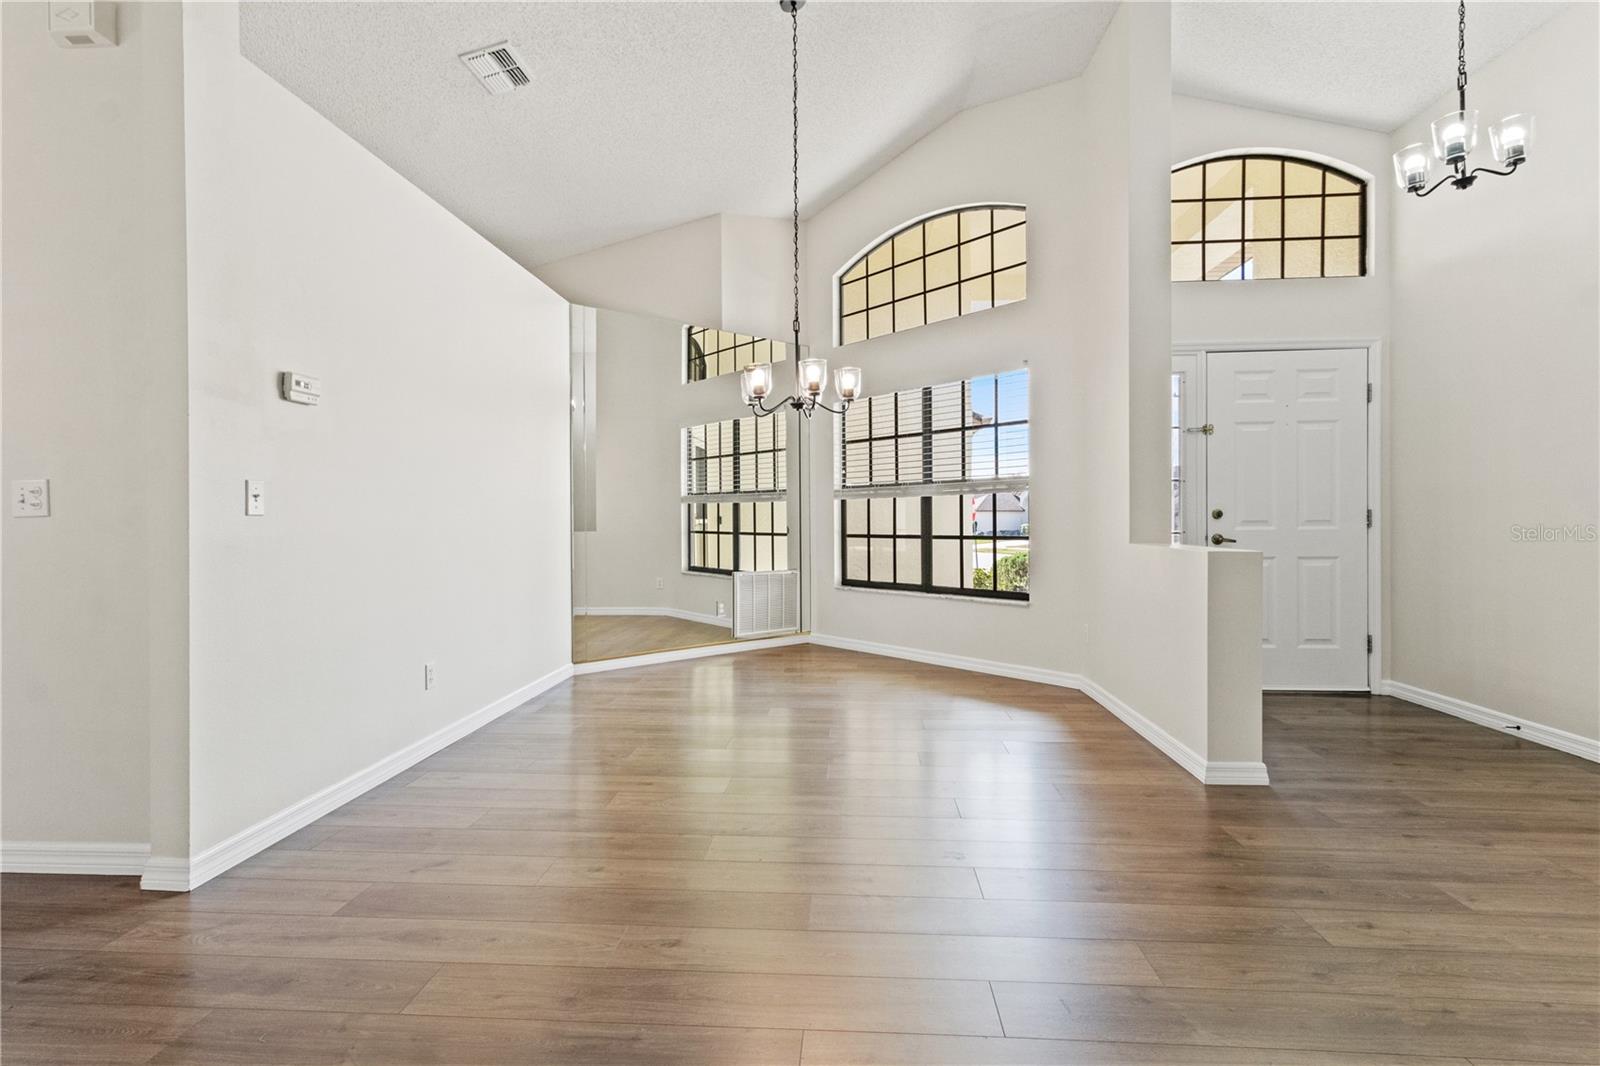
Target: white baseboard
1217	773
723	620
1236	773
1522	728
955	662
678	655
68	857
166	875
177	875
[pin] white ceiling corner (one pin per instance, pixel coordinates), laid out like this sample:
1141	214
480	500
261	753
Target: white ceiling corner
1372	64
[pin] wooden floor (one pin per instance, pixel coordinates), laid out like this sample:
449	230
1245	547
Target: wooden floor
596	637
810	856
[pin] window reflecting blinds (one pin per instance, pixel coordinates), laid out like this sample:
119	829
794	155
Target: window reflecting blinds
738	456
962	435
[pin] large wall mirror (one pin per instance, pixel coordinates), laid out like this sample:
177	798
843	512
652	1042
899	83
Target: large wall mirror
686	523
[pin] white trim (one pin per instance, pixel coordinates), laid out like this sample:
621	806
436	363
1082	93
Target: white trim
166	875
678	655
1219	773
1040	675
71	857
1164	742
725	621
1522	728
169	874
1236	773
1374	346
993	601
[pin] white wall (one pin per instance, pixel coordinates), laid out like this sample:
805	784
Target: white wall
1132	618
1293	308
672	273
1494	387
420	514
94	397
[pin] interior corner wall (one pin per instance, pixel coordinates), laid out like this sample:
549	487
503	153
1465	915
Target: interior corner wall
672	273
95	604
1151	642
1496	487
419	514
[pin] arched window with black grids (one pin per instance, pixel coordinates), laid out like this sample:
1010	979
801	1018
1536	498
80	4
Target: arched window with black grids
1255	216
943	265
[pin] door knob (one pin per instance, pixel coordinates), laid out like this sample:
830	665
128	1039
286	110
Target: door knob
1218	538
1216	512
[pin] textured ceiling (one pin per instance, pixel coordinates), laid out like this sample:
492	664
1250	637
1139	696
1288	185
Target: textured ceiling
645	115
1373	65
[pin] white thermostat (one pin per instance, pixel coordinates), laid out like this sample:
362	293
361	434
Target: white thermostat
87	24
300	388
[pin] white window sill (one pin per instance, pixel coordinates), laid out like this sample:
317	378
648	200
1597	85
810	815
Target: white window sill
992	600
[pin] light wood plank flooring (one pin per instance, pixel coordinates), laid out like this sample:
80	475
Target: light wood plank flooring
811	856
596	637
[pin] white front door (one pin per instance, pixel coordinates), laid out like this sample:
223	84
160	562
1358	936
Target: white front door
1286	475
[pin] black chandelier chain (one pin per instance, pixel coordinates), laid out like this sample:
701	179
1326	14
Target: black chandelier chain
794	21
1460	177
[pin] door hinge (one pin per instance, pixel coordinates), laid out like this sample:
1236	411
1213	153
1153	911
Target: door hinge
1369	392
1369	518
1369	643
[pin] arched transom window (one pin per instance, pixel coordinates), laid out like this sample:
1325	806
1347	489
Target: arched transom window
964	260
1250	217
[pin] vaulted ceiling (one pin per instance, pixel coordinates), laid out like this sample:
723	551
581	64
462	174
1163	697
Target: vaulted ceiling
644	115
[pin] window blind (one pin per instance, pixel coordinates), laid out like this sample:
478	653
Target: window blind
932	489
962	436
736	457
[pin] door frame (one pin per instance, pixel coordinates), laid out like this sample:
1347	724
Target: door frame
1190	356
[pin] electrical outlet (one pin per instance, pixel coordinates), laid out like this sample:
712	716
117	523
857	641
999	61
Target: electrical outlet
30	499
661	583
427	676
722	609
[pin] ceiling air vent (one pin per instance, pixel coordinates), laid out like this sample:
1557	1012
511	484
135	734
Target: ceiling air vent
497	67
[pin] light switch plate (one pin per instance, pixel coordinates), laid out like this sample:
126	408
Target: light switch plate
255	498
30	499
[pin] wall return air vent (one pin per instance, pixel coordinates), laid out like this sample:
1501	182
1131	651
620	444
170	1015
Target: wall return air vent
497	67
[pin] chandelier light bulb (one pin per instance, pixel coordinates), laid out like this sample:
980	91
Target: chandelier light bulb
847	382
1411	165
1511	137
755	382
1455	136
813	376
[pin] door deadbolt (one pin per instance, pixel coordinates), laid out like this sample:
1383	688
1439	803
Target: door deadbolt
1218	538
1216	512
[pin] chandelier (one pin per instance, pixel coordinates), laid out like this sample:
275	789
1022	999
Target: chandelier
811	375
1455	136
